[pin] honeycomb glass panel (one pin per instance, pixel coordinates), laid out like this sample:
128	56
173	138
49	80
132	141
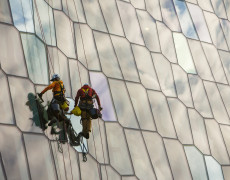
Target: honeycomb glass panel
13	153
122	103
39	157
200	61
97	142
153	7
87	52
205	5
13	55
199	131
130	22
8	117
166	41
185	19
224	56
139	155
94	15
56	4
227	6
5	14
74	9
125	57
100	85
149	31
216	142
112	19
215	30
196	163
199	22
169	15
53	59
213	168
108	173
182	85
177	160
225	132
145	67
158	157
109	63
64	33
215	63
35	54
25	108
161	114
219	9
141	106
199	96
181	121
165	75
138	4
118	148
225	24
216	103
226	172
45	16
224	92
183	53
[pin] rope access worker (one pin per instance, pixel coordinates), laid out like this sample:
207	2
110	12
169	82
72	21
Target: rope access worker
86	95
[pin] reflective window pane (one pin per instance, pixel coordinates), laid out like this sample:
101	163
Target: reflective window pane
177	159
200	61
35	54
5	14
139	155
122	103
199	22
11	51
164	73
118	148
8	117
2	171
224	92
149	31
22	13
181	121
24	108
216	142
196	163
94	15
56	4
205	5
216	103
199	131
225	58
74	163
145	67
166	42
141	106
64	33
225	132
214	63
215	30
125	57
139	4
219	9
157	155
199	96
129	178
227	6
109	63
130	22
108	173
226	172
100	85
39	157
182	85
214	169
169	15
161	114
153	7
13	153
45	14
183	53
185	19
112	19
225	24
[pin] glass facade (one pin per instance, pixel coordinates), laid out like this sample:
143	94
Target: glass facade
161	69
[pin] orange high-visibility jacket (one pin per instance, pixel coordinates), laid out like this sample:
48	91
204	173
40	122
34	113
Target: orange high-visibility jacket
56	88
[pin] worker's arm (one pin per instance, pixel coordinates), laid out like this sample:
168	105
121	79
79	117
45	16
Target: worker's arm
51	86
77	98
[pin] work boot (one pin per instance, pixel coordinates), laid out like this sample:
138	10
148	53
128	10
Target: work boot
53	131
87	136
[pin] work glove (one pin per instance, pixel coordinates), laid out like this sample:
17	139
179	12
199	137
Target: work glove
40	95
100	108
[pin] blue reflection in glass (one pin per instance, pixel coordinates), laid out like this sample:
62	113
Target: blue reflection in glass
214	169
100	84
185	19
22	15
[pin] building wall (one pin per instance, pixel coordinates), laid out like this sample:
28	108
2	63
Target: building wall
160	67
